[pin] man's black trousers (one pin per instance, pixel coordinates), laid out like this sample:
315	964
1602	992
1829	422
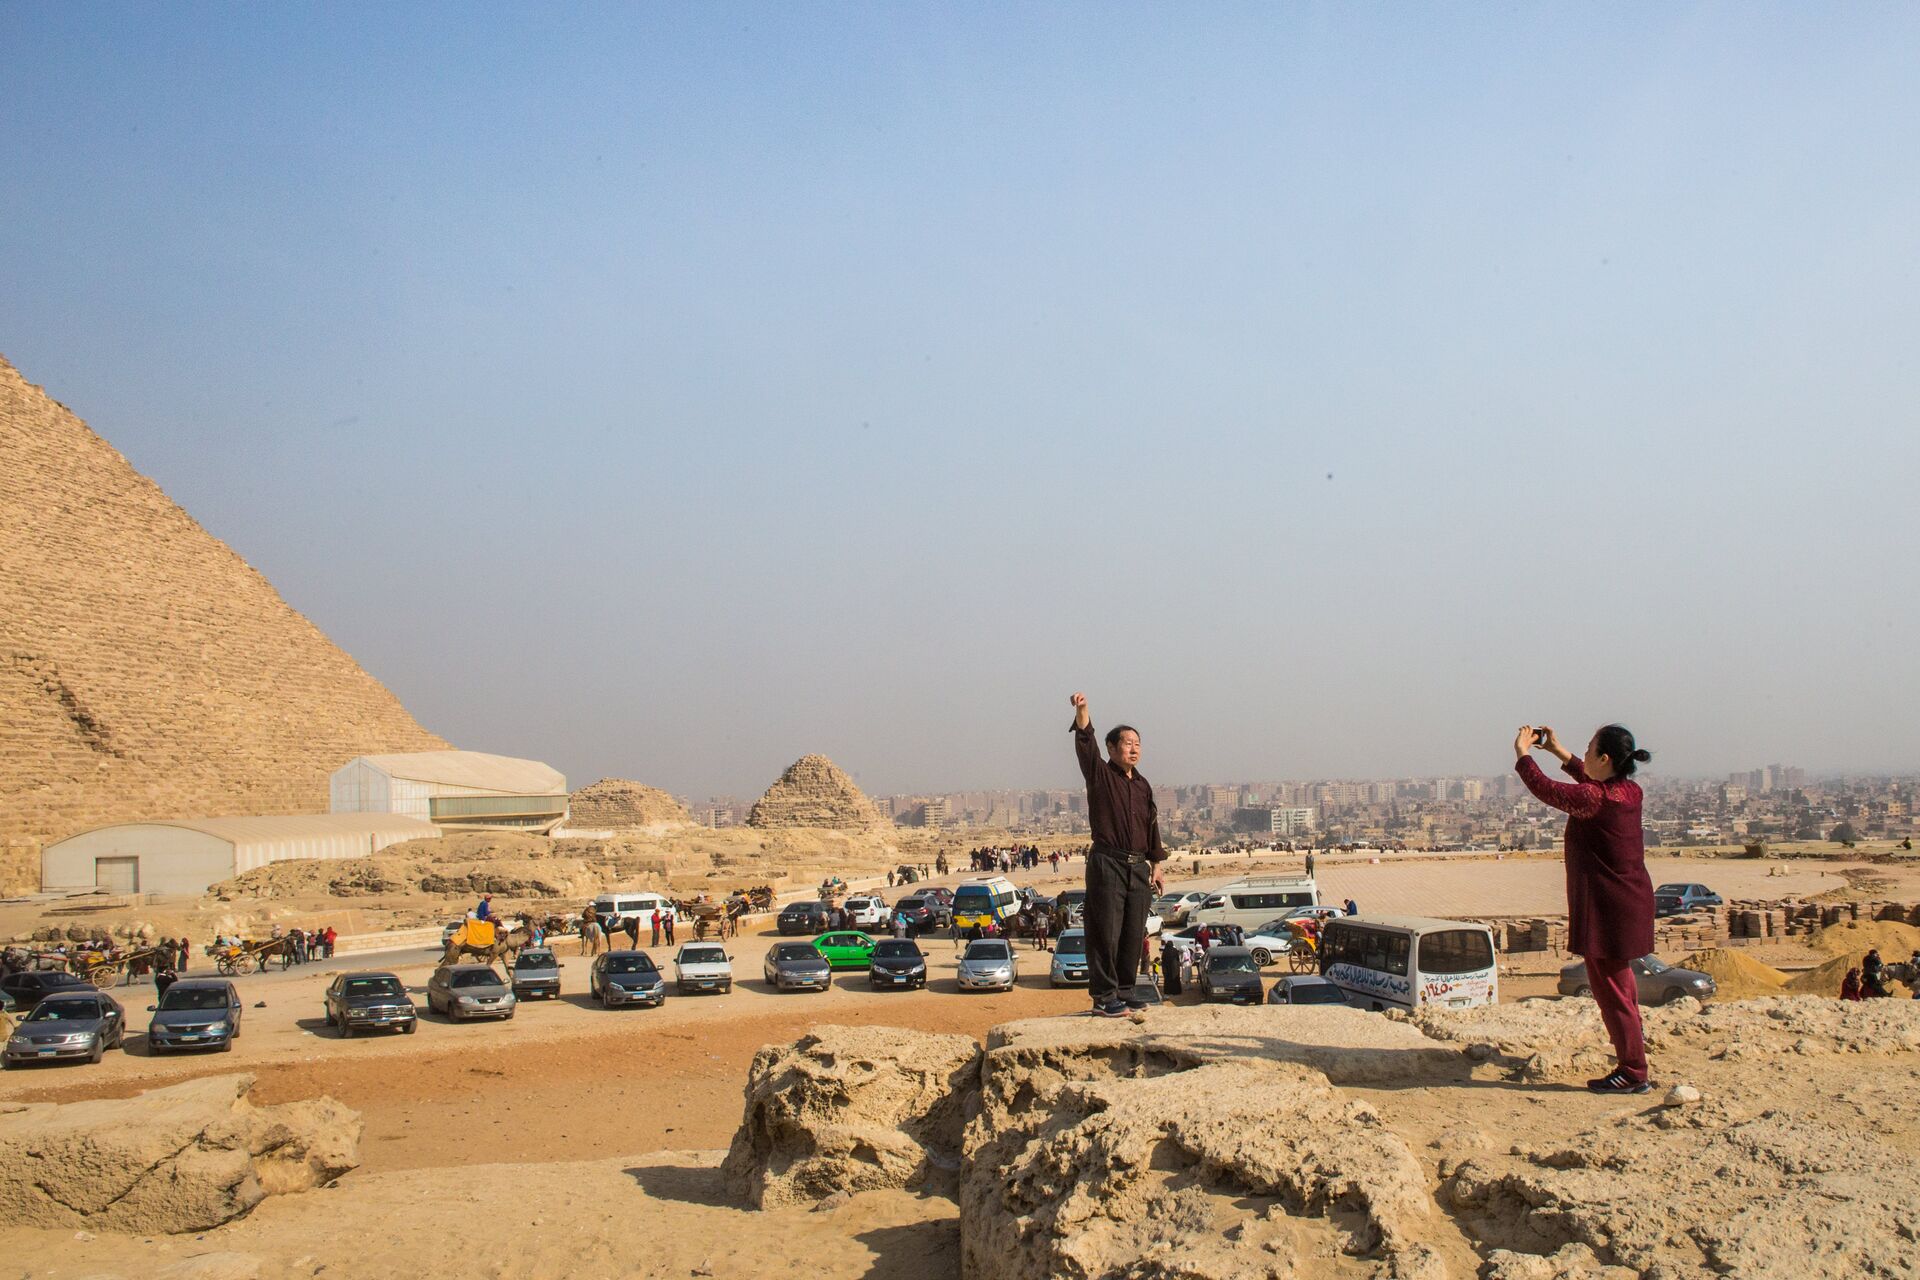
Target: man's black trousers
1116	921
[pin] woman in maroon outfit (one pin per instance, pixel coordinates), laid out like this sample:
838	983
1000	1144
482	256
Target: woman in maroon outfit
1609	894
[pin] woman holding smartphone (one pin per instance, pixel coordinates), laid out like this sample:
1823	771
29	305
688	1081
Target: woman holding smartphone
1609	894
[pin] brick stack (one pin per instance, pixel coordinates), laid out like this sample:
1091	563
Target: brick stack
145	669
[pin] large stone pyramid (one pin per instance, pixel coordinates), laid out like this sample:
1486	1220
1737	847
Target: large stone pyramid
814	792
145	669
615	804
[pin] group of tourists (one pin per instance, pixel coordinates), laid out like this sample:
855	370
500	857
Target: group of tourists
1006	859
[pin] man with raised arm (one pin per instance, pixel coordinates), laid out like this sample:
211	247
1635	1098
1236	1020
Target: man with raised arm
1123	870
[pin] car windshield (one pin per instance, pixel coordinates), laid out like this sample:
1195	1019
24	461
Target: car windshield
476	978
179	997
971	900
896	949
631	964
373	987
1071	944
911	904
985	949
1316	993
795	951
65	1011
1654	964
802	908
1072	897
535	960
1674	890
1231	964
703	955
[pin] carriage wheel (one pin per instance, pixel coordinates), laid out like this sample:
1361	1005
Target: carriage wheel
1300	960
101	975
226	967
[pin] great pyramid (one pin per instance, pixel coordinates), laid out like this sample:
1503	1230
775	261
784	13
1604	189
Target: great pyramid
145	669
616	804
815	792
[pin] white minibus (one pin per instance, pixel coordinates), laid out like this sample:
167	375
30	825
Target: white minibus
1403	962
615	909
1255	900
984	902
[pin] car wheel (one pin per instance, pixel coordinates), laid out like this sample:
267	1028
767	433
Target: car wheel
1583	991
226	1046
410	1027
346	1032
1672	994
1262	957
99	1050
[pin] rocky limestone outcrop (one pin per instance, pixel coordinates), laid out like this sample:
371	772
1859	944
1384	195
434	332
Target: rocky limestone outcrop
849	1109
184	1158
1691	1192
1196	1145
615	804
814	792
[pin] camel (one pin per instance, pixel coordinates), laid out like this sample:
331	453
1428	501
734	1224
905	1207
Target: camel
505	945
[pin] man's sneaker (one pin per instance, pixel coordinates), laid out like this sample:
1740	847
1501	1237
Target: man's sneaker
1136	1006
1618	1081
1111	1009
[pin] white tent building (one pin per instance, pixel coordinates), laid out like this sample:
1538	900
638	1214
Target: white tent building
457	789
186	855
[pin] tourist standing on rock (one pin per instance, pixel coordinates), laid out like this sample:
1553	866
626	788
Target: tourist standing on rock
1609	894
1123	868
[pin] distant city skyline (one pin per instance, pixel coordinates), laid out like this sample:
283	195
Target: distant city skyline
667	392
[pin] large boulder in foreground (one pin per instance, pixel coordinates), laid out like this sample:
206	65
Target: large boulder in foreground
852	1109
1205	1144
183	1158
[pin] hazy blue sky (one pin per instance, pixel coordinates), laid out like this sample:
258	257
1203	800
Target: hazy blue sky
667	391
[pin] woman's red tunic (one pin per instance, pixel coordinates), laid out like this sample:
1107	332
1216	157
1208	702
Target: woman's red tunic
1609	894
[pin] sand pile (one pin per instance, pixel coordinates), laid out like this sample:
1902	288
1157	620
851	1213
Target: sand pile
1895	941
1738	976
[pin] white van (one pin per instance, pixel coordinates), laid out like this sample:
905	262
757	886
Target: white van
1255	900
615	909
1403	962
984	902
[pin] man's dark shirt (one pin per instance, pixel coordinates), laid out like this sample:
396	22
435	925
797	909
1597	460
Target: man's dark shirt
1121	809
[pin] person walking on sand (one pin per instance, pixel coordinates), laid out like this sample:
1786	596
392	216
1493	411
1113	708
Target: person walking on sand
1609	894
1123	868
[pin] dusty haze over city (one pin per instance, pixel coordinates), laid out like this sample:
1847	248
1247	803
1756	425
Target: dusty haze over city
692	389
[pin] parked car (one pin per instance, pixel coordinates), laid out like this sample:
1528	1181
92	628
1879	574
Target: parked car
897	962
1678	899
626	977
845	949
195	1013
1144	993
1269	942
1657	981
462	991
536	972
67	1024
30	988
1305	988
802	918
868	911
703	966
796	966
1173	907
1229	973
367	1001
923	913
988	964
1069	967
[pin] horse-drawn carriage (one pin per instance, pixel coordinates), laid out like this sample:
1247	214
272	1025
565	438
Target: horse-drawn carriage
712	917
103	968
1304	955
249	956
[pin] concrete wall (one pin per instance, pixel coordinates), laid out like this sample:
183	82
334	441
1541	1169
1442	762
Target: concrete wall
172	859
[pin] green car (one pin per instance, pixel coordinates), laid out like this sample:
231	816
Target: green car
846	950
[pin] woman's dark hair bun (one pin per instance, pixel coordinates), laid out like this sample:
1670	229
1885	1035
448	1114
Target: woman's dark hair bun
1617	745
